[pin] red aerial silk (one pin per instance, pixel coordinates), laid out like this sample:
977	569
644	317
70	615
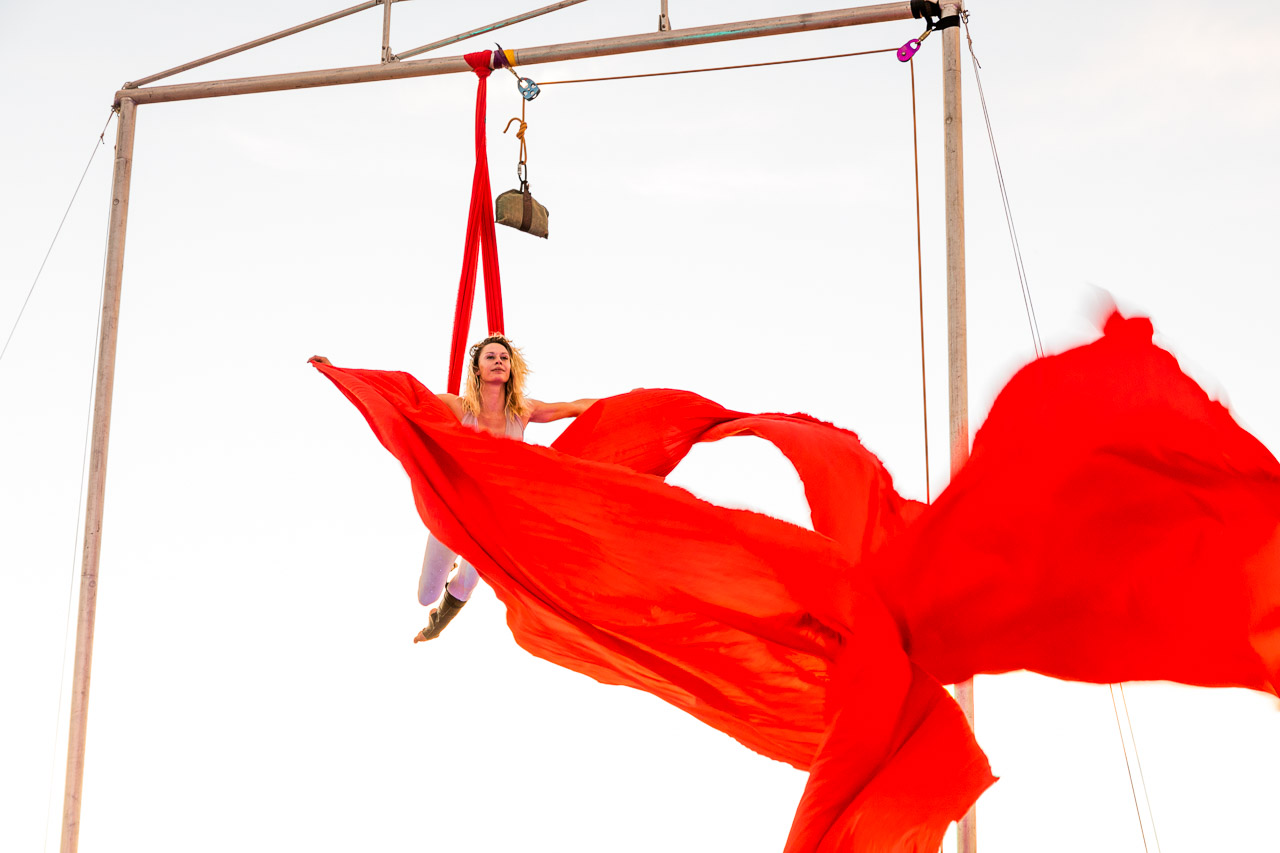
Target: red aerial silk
481	239
1113	523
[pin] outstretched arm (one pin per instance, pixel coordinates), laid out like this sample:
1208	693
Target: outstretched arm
542	413
454	402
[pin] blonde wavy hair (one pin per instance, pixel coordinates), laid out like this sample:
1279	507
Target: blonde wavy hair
516	402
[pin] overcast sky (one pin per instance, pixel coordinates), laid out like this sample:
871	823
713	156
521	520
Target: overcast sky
747	235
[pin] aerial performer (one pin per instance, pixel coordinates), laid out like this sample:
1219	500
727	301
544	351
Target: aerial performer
1113	523
493	402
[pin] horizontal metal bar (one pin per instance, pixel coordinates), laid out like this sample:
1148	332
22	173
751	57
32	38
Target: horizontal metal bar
488	28
369	4
527	56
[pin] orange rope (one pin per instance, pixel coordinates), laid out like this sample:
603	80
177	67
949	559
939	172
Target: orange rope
522	165
915	152
720	67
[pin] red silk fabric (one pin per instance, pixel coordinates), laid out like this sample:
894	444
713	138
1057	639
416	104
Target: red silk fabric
1113	523
481	239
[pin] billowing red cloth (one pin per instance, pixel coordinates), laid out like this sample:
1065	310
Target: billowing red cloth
480	240
1112	524
740	619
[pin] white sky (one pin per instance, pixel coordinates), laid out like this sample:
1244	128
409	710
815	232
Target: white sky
747	235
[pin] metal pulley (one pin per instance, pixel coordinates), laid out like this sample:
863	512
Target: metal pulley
527	88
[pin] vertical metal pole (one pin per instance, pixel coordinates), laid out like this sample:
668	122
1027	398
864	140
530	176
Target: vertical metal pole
664	22
386	30
97	477
957	340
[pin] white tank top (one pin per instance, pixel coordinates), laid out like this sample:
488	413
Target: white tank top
515	426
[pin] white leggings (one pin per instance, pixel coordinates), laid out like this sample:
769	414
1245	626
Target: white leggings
436	564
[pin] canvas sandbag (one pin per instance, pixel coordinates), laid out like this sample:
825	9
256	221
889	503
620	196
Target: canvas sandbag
518	209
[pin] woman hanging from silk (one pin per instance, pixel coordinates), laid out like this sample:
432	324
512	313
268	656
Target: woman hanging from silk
493	401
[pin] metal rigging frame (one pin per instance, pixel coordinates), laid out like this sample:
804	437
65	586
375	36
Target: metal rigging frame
392	67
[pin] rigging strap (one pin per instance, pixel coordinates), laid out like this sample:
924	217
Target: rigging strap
481	239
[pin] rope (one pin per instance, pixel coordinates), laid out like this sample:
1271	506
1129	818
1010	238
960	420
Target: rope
101	141
524	160
720	67
1127	768
522	166
1146	792
1039	349
924	392
75	539
1004	197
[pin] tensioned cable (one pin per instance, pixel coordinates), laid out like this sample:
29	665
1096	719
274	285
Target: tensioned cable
1004	197
1039	349
1127	768
102	140
924	392
720	67
71	587
1146	792
915	152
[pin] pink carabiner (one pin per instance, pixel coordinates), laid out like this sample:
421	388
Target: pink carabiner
908	50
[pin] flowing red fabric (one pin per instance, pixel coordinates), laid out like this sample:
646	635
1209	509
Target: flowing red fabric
481	239
1112	523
